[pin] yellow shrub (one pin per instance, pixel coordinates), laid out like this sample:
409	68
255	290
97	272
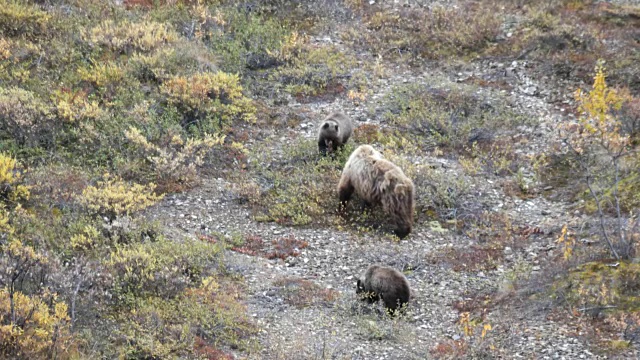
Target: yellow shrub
125	37
86	239
177	161
5	226
5	48
214	95
155	65
18	19
33	326
102	75
10	179
596	122
113	196
73	106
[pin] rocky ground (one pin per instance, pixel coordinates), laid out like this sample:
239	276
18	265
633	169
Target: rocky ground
345	329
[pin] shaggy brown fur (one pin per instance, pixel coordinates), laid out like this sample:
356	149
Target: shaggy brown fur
334	132
379	181
386	283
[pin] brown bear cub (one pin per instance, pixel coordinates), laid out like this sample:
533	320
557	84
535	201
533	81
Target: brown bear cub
334	132
386	283
379	181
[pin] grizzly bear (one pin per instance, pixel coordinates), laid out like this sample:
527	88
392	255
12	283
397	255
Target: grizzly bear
334	132
379	181
386	283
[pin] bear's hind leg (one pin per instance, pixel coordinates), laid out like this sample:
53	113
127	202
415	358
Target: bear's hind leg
345	189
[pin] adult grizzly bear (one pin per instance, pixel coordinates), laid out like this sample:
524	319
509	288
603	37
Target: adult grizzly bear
386	283
334	132
379	181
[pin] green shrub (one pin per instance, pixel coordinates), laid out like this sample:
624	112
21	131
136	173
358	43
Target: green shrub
244	41
203	319
313	71
436	32
302	189
598	285
25	118
452	118
159	269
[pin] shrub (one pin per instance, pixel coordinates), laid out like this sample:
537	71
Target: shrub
242	40
57	186
436	32
204	318
25	118
159	269
601	287
286	247
209	101
367	134
601	148
11	188
113	197
319	70
453	118
85	239
18	19
103	76
35	326
174	163
128	37
296	190
181	59
75	106
303	293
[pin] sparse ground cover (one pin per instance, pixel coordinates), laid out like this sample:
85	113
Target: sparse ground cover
162	195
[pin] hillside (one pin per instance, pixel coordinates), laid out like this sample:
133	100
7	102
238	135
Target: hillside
163	196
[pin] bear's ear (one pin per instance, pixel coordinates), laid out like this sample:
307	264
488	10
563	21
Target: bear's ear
325	126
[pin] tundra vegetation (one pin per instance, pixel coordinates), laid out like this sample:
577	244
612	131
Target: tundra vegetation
108	106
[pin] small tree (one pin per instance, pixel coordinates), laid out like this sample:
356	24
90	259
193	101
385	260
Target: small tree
601	149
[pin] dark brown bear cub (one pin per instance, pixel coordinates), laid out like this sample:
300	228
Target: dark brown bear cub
386	283
334	132
379	181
